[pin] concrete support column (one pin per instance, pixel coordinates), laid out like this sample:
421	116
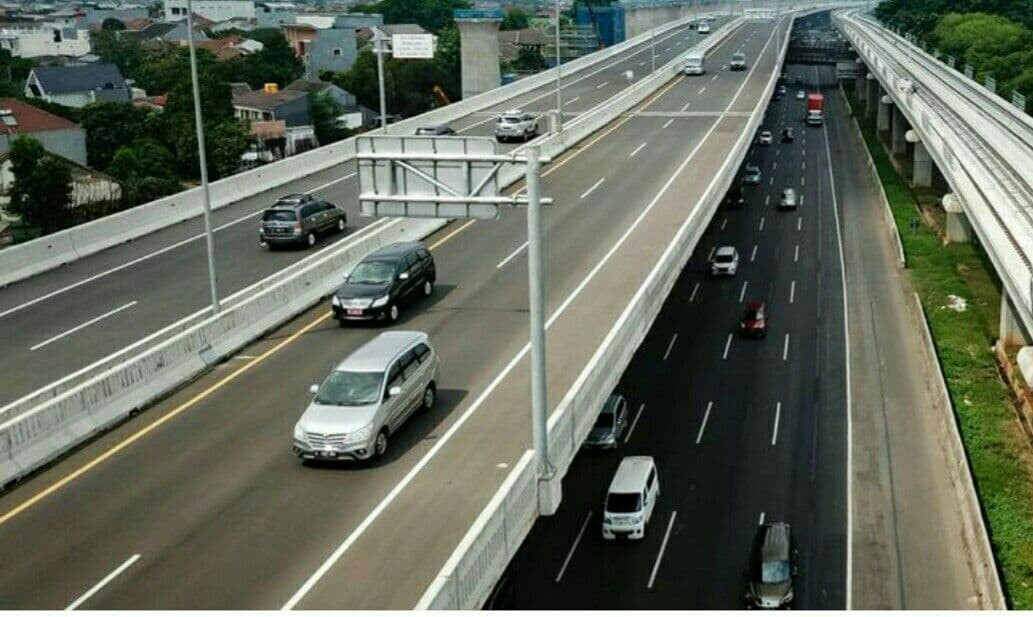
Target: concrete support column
899	128
479	55
1010	331
872	99
922	167
860	88
958	227
885	109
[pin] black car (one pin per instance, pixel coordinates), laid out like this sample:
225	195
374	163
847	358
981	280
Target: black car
385	280
297	219
735	198
773	567
439	130
787	134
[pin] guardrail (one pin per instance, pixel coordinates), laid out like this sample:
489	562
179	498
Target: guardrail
30	258
468	576
1002	225
42	427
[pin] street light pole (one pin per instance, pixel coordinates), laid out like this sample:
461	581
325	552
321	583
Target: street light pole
536	296
205	197
380	48
652	39
559	91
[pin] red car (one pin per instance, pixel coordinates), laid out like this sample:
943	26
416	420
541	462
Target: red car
755	320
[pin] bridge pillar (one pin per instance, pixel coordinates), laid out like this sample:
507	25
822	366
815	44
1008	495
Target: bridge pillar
958	227
861	88
885	109
898	144
922	165
872	100
479	54
1010	331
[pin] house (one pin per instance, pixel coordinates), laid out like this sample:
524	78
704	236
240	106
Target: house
57	135
89	186
77	85
168	32
346	100
512	42
229	47
327	42
237	23
291	106
49	39
215	10
275	14
94	15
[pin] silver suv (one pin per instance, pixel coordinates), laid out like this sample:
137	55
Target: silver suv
297	219
368	397
516	124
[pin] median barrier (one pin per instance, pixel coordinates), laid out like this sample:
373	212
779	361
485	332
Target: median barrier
455	587
30	258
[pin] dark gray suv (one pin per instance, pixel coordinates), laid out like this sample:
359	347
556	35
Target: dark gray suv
385	280
298	219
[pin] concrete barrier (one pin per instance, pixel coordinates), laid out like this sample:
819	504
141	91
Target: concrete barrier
974	535
30	258
468	576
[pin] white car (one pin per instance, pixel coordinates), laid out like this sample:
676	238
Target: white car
703	28
788	200
516	124
800	95
764	138
725	262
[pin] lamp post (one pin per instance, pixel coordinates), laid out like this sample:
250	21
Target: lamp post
205	198
380	48
559	90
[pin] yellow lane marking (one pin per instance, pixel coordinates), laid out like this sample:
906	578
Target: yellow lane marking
454	233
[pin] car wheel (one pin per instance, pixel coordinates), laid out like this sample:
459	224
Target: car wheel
430	396
428	288
380	444
341	223
392	313
310	239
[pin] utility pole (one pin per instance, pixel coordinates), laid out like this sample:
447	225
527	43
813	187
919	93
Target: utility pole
559	90
536	296
380	48
205	197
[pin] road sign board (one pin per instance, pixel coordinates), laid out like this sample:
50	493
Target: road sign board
407	185
477	14
412	46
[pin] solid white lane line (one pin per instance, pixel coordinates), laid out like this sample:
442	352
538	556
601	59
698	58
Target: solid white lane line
670	345
799	223
792	291
518	250
637	150
742	294
663	547
761	226
593	187
702	90
668	123
695	288
573	100
785	348
796	254
104	581
82	325
778	414
723	224
602	85
728	343
760	521
573	548
703	425
753	254
634	422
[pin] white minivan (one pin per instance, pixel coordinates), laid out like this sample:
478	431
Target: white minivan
631	499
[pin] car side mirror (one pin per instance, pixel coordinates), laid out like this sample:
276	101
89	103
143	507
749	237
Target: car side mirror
403	276
394	391
314	388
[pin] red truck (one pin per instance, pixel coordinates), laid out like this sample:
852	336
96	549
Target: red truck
815	109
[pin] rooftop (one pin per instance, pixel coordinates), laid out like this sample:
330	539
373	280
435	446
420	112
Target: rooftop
25	119
79	78
265	101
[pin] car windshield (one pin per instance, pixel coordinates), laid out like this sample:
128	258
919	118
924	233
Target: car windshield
509	119
278	215
774	572
425	131
350	389
618	503
753	170
754	314
372	273
723	258
605	419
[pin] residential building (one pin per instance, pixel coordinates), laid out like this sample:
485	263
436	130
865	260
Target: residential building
215	10
48	39
512	42
291	106
77	85
168	32
57	135
93	15
345	100
327	42
229	47
275	14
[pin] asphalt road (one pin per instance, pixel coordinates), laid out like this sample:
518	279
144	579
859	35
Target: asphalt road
202	487
741	430
63	320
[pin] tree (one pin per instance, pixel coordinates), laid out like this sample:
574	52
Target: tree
42	186
515	19
432	15
275	63
123	52
112	25
324	111
108	127
144	172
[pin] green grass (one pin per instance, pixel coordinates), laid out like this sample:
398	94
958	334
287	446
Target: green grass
998	451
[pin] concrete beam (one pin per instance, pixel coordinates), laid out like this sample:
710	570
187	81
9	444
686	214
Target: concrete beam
958	227
479	55
1010	331
899	128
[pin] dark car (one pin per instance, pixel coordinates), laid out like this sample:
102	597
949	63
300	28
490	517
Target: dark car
297	219
787	134
385	280
751	174
754	320
610	424
773	567
735	198
439	130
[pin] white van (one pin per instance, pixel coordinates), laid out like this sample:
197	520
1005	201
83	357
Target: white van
693	63
631	499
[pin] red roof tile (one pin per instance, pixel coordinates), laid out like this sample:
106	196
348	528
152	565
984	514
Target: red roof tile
31	119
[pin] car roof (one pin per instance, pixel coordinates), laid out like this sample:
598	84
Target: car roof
610	406
292	197
512	112
631	474
787	190
725	250
775	545
395	249
754	306
377	354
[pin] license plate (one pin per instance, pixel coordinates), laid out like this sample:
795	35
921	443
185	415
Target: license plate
355	311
